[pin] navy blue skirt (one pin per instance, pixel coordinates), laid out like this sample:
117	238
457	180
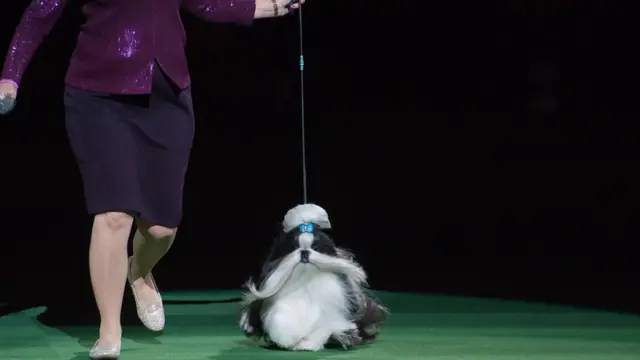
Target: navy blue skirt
133	150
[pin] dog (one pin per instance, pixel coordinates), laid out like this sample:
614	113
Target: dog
310	294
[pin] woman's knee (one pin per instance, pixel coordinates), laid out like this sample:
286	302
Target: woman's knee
159	232
115	221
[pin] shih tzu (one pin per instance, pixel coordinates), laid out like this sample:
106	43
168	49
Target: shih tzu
310	294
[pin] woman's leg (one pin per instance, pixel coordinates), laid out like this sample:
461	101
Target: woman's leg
108	268
165	134
150	243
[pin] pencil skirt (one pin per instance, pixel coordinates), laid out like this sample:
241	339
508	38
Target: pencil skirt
133	150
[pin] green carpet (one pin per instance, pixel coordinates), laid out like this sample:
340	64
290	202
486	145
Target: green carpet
420	327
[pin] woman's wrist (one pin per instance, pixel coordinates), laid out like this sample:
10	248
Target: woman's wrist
7	81
267	9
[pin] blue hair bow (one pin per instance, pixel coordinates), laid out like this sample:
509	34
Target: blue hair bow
306	228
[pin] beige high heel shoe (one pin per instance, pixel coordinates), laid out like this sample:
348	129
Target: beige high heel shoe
152	314
104	352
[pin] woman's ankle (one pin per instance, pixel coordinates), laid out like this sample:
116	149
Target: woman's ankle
110	334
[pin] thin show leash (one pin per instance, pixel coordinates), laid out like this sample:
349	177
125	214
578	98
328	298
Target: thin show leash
302	120
304	147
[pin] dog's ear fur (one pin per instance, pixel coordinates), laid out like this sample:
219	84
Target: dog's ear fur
269	263
253	327
251	312
253	322
345	254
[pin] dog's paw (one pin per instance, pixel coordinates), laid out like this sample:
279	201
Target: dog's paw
306	345
370	330
349	338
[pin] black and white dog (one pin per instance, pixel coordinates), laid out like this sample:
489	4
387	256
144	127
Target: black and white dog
310	293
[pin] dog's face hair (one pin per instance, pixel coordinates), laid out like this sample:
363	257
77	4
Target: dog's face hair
321	243
289	242
286	243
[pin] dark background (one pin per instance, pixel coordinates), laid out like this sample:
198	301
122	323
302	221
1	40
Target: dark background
472	148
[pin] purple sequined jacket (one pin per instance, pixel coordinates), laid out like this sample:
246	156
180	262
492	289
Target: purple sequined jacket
121	40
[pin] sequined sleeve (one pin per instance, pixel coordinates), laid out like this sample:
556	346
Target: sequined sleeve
36	23
224	11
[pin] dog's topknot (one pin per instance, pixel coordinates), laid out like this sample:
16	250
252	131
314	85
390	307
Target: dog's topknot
306	213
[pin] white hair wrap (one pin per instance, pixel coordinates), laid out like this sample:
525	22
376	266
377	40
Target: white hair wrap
306	213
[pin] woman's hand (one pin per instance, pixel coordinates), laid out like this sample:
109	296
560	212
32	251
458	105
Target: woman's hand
275	8
8	93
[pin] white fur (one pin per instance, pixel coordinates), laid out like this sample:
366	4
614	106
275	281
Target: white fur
306	304
310	309
305	240
306	213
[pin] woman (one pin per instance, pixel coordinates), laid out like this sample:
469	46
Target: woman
130	123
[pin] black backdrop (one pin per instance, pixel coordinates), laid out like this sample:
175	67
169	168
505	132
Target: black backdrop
469	148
